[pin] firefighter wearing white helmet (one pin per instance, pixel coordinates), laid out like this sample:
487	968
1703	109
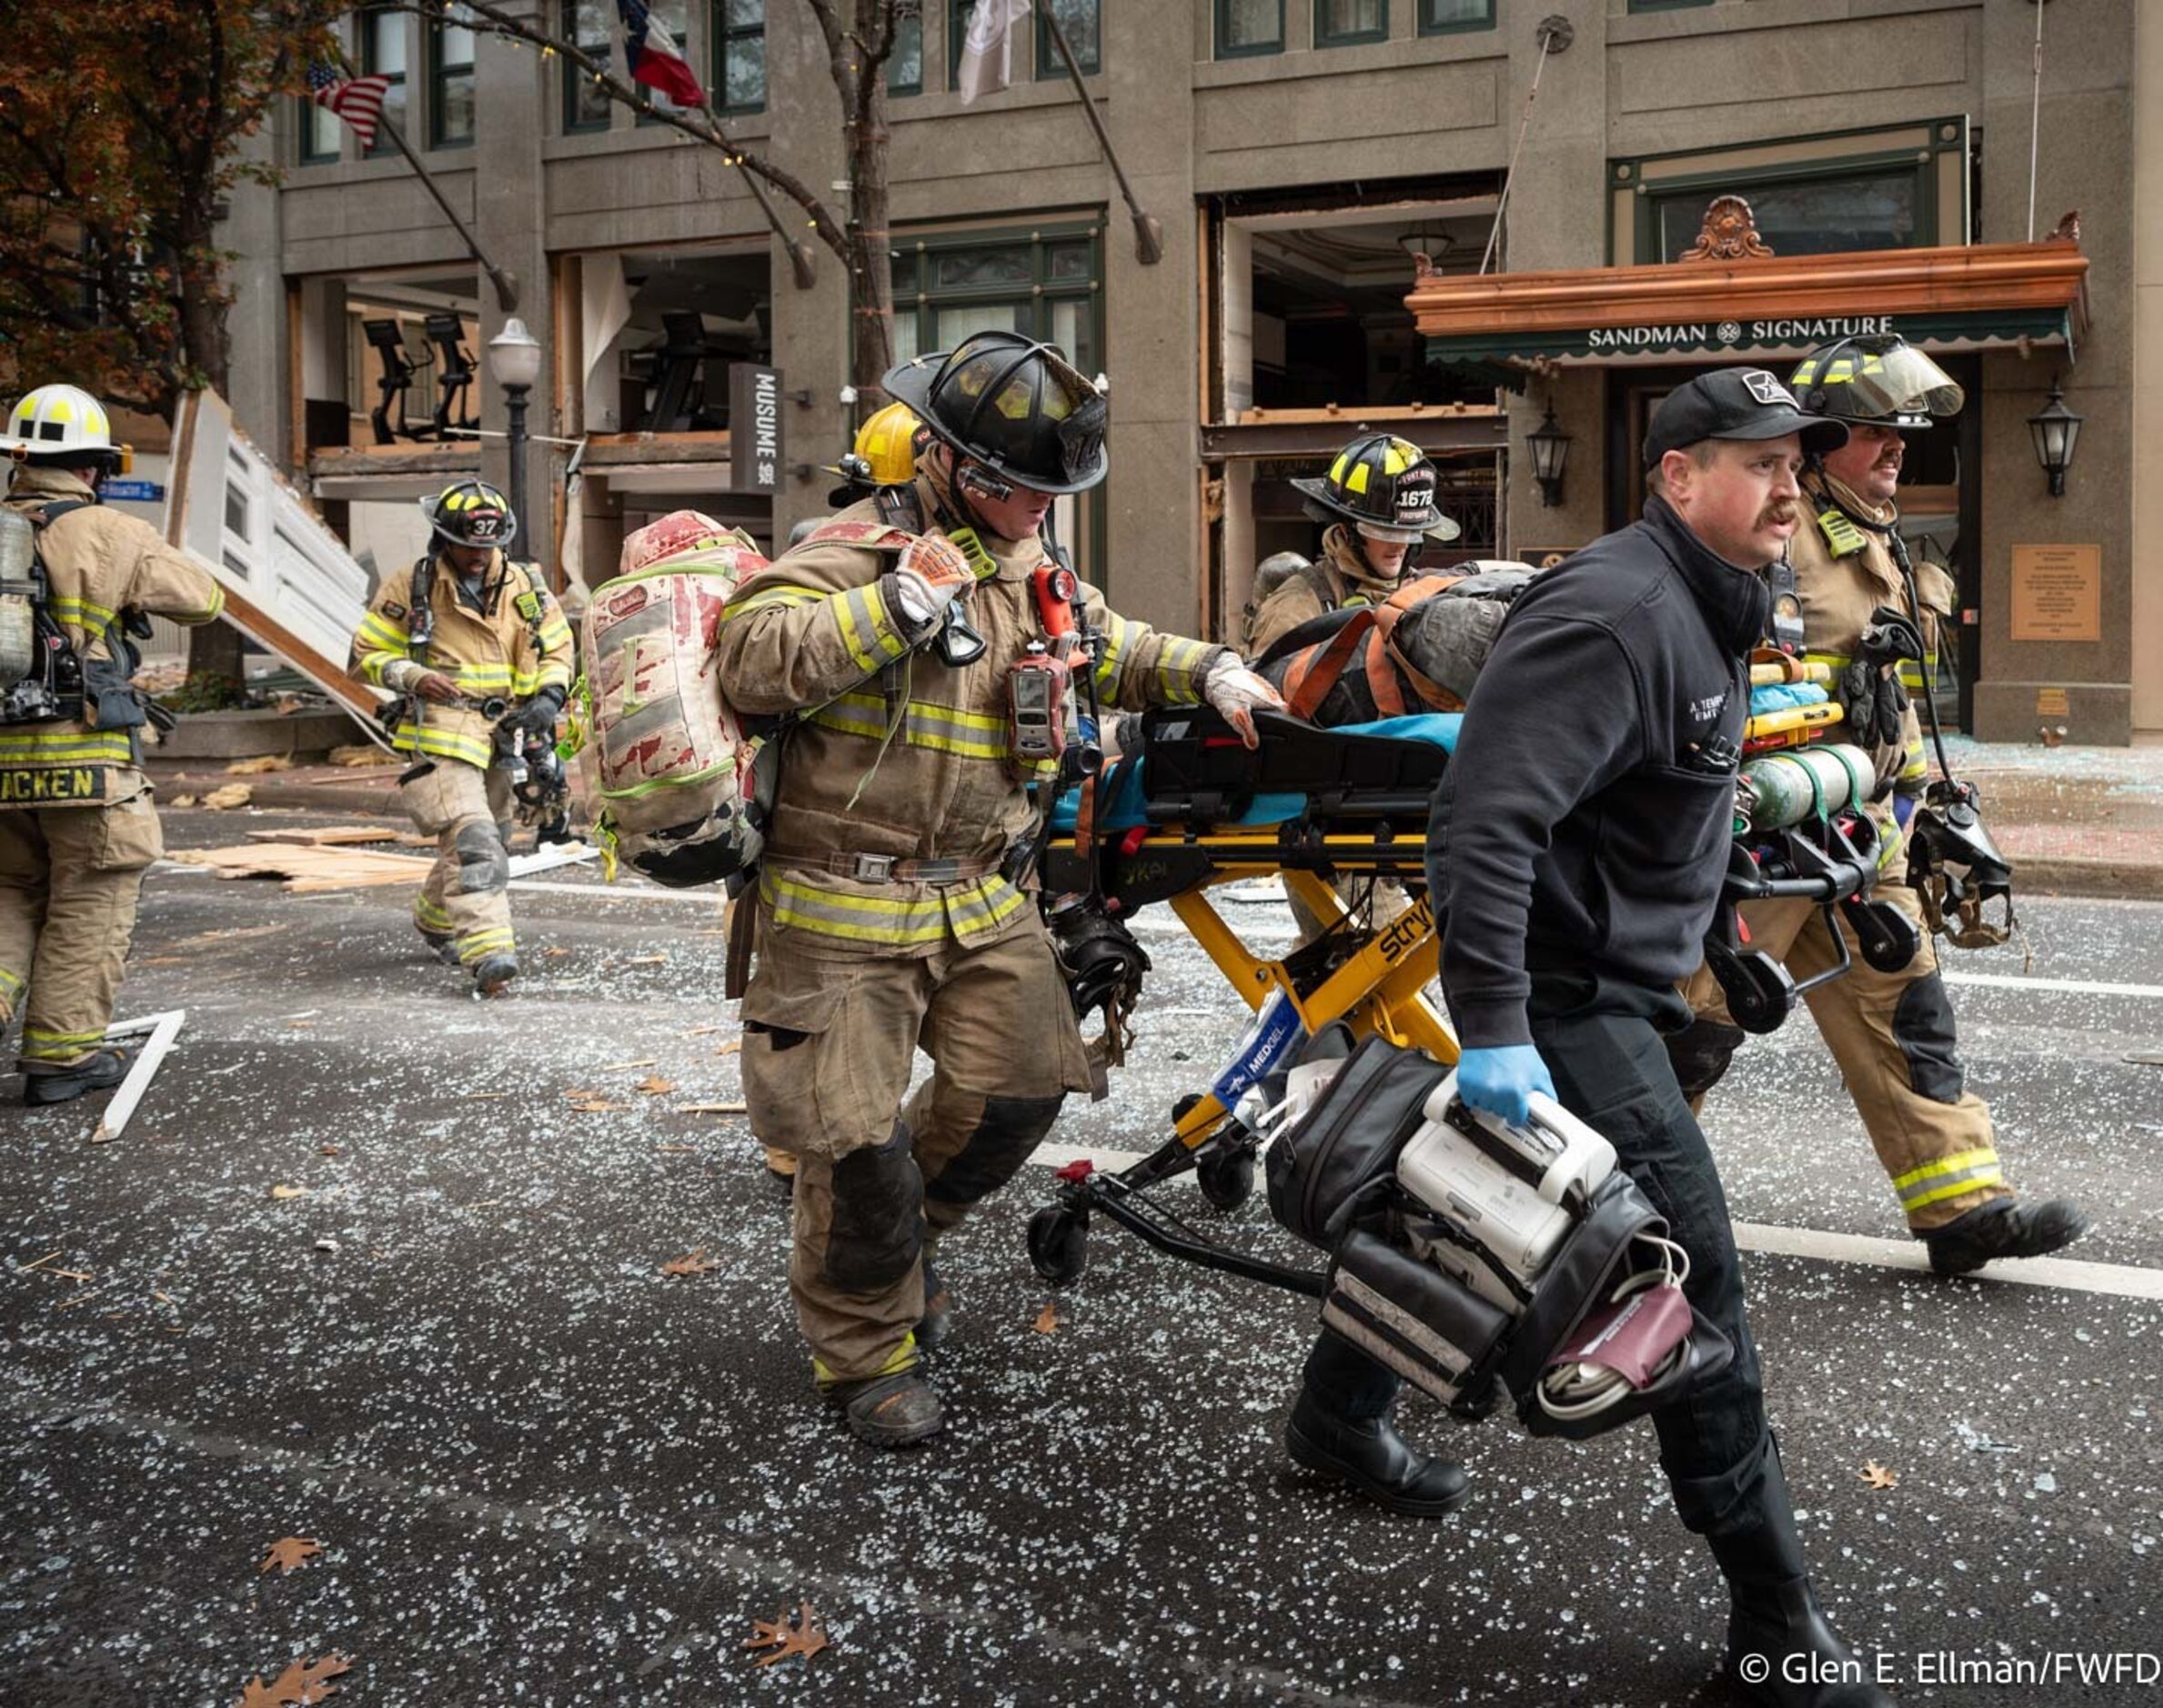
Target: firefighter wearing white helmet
1891	1032
76	823
479	650
1377	506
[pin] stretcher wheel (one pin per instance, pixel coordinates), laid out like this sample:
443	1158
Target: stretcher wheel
1226	1177
1059	1244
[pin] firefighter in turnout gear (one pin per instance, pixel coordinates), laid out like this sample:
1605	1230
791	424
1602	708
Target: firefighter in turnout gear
76	823
1892	1033
1377	508
481	654
894	906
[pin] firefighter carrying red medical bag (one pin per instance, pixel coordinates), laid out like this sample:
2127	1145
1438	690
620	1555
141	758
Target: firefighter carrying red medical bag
1475	1258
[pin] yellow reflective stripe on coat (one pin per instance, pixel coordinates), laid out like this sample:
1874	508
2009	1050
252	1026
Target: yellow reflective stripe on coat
891	922
82	613
491	939
924	724
379	634
1177	665
430	915
1948	1176
867	630
11	986
483	679
65	744
1116	632
443	744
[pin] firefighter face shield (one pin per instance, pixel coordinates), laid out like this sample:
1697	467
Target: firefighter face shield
1882	379
1954	867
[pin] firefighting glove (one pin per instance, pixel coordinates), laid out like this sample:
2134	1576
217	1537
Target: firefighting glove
538	715
1501	1080
930	575
1236	693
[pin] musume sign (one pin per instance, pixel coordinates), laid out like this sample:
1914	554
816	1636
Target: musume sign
1712	335
754	428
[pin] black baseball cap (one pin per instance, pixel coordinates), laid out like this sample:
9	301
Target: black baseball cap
1737	403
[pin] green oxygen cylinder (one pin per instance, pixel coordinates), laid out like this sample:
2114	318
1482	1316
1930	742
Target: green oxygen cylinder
1786	789
18	622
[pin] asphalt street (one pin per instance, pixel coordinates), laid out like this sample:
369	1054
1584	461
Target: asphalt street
540	1471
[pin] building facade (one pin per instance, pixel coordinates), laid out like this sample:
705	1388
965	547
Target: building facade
1298	156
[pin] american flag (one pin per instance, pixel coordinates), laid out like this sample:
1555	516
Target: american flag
356	100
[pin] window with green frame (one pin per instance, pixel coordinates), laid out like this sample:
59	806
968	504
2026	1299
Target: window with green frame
905	64
450	80
1046	283
1081	22
318	131
739	29
383	55
956	28
1852	191
1342	23
1249	26
1446	17
585	104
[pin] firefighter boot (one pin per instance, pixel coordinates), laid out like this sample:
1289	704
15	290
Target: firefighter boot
1370	1457
108	1068
2002	1228
492	974
1782	1652
892	1411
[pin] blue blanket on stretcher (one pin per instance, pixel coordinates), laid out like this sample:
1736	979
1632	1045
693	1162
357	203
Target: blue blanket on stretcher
1124	800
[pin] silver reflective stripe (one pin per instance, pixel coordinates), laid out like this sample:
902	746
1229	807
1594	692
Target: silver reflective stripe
1386	1351
1403	1322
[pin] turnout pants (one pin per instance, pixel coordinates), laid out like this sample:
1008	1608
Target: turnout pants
1892	1034
466	897
829	1046
70	878
1602	1042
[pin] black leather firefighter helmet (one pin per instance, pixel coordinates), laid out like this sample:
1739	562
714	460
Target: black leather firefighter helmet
1381	483
471	513
1014	405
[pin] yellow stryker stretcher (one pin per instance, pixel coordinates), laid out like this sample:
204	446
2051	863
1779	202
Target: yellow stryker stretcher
1315	805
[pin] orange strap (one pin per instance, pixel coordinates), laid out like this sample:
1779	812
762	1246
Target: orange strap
1316	670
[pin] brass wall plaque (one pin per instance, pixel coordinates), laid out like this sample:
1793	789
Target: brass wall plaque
2058	593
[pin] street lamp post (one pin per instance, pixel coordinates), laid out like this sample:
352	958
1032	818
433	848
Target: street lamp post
515	360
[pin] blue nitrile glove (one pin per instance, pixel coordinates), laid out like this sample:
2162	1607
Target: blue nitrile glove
1501	1080
1783	696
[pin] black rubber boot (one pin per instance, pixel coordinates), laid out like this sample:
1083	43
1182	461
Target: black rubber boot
1369	1457
896	1410
100	1072
2003	1227
443	947
493	973
1781	1651
932	1327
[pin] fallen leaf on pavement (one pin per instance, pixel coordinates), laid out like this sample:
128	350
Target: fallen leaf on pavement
805	1638
288	1192
327	1150
597	1106
1047	1320
289	1554
695	1264
301	1682
653	1085
555	954
1877	1476
300	1026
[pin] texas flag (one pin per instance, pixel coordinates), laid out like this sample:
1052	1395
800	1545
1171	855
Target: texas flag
653	56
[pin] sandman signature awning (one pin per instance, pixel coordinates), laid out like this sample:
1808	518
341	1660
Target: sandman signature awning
1979	296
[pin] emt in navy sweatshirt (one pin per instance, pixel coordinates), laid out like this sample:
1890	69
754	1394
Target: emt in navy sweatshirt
1578	843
